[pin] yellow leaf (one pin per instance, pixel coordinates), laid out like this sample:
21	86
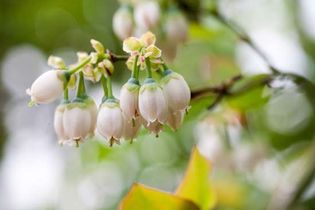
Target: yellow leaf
141	197
196	184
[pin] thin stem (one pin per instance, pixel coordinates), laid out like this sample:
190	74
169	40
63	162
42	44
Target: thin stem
79	66
65	91
148	65
66	94
103	81
135	68
81	87
109	87
246	38
165	67
116	58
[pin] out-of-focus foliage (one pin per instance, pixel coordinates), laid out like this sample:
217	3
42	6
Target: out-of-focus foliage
194	192
196	185
255	139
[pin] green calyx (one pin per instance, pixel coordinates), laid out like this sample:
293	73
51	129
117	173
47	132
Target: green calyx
111	103
133	81
168	75
149	85
132	85
126	7
149	81
80	103
167	72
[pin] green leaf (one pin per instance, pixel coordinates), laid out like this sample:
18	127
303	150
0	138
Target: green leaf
249	93
141	197
196	185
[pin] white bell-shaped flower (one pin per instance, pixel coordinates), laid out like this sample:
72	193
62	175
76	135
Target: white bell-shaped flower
131	127
147	14
79	119
58	124
152	103
176	91
129	95
123	22
175	119
46	88
176	27
110	121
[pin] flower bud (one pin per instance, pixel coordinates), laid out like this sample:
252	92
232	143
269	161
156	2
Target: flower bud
152	104
97	46
58	123
79	119
123	23
91	73
147	14
175	119
110	121
106	66
129	99
56	62
131	127
155	127
176	91
176	27
47	87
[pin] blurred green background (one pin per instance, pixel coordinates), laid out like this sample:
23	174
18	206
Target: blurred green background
260	143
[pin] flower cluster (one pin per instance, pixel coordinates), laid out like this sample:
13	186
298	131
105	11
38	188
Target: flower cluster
161	98
137	17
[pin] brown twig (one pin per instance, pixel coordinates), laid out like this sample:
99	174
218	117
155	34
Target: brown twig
225	89
116	58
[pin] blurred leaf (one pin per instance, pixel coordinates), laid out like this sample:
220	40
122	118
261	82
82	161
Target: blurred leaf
141	197
198	107
196	185
200	32
250	100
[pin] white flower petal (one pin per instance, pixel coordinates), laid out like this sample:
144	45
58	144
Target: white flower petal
46	88
129	101
123	23
177	92
110	122
77	122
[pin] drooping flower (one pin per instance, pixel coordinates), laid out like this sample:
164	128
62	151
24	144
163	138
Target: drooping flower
131	127
175	119
110	121
152	103
123	22
176	91
58	124
176	27
47	87
129	95
147	14
79	119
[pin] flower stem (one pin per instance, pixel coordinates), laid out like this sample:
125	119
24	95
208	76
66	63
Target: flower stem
65	91
109	87
65	94
103	81
135	71
81	87
148	64
79	66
